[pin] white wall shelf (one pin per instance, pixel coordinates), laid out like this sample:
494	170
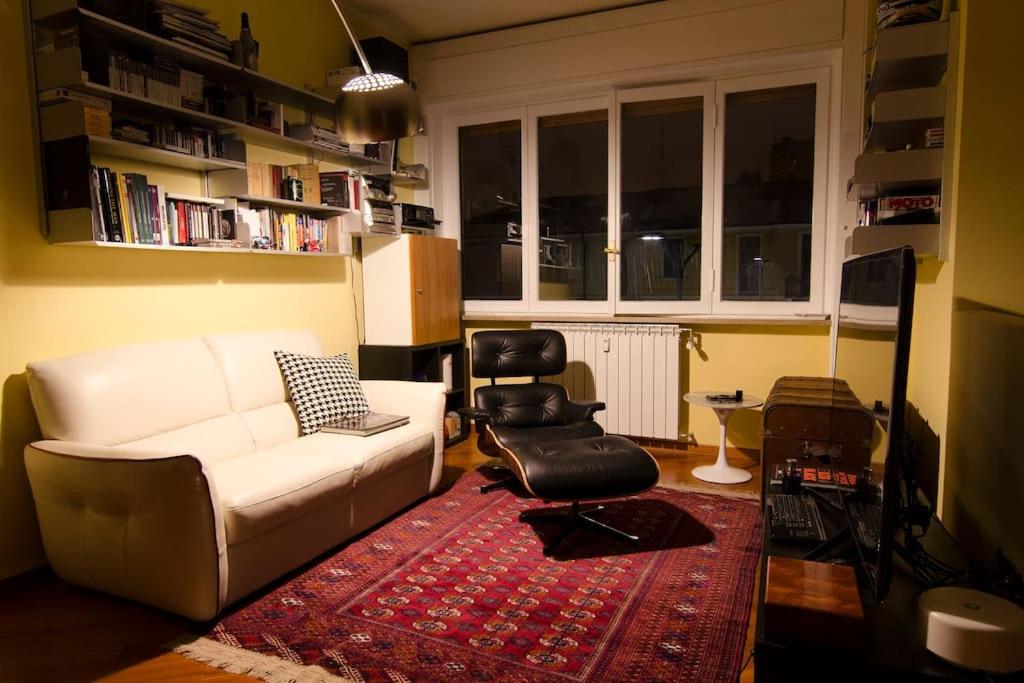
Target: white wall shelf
901	117
155	155
194	250
299	207
876	175
925	239
909	57
911	88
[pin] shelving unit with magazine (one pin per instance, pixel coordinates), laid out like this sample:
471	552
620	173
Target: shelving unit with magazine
157	117
901	181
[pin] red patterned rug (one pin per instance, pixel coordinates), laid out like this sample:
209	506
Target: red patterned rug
456	588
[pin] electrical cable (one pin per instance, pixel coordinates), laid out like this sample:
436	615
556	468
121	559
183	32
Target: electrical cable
746	663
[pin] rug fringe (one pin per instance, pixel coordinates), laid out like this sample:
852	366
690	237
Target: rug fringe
238	661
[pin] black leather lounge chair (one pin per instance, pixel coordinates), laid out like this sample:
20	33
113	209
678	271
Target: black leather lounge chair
551	445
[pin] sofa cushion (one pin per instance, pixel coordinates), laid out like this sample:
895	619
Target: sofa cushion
211	441
124	394
246	360
323	389
266	489
272	425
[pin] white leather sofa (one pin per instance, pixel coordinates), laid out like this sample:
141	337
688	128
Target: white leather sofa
174	473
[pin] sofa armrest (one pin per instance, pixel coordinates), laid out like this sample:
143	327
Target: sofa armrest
423	402
578	411
145	525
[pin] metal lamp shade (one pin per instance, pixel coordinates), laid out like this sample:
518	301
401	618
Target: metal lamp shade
376	115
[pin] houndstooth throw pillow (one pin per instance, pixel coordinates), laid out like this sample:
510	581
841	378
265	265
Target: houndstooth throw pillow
323	388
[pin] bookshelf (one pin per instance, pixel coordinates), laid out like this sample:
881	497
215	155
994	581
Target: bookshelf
54	12
910	90
155	155
70	141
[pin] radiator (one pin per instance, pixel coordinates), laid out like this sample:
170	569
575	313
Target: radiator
634	369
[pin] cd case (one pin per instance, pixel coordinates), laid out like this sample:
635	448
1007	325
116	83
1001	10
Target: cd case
365	424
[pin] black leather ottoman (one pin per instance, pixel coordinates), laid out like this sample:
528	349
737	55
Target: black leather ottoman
584	469
575	470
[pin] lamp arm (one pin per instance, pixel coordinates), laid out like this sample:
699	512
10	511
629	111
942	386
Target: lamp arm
355	43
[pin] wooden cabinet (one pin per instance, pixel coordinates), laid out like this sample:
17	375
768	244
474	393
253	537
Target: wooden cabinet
411	290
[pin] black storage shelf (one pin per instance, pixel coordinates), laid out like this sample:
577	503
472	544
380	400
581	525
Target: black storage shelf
422	364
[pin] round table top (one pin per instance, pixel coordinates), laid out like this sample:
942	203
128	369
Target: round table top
701	398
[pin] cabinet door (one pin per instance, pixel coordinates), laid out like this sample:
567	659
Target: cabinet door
434	263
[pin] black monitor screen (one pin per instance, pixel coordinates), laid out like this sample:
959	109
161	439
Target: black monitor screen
872	350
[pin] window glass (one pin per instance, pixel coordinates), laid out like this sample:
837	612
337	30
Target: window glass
661	162
491	207
572	167
767	195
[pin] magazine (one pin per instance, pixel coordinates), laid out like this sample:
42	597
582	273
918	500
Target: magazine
365	424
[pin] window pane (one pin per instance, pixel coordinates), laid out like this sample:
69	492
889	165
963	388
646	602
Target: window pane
769	179
490	185
573	195
662	169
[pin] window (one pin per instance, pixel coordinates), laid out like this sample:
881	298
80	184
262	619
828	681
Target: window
690	198
666	147
572	206
770	197
768	193
491	208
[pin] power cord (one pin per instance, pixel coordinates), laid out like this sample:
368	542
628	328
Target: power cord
746	663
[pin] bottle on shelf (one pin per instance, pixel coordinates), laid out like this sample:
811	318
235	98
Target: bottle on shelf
247	48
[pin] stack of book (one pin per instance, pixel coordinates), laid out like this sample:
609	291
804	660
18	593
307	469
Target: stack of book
934	137
159	83
269	229
318	135
264	180
198	224
190	26
192	140
129	132
126	208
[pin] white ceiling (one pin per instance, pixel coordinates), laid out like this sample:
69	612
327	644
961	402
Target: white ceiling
420	21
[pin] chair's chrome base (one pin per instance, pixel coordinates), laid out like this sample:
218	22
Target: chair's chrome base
574	516
506	481
503	483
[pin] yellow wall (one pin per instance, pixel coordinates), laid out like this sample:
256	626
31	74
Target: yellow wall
729	357
61	300
985	473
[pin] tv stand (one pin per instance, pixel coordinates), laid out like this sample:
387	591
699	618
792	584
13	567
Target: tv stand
891	650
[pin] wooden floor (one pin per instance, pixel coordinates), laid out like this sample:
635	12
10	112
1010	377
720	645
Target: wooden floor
52	631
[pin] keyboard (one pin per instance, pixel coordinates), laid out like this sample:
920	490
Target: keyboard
794	518
867	520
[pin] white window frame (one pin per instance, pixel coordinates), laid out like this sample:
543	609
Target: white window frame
705	90
818	68
531	202
819	206
453	200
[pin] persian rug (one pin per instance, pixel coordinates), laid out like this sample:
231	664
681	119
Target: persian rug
457	588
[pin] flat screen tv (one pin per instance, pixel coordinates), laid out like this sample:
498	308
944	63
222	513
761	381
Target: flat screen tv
872	355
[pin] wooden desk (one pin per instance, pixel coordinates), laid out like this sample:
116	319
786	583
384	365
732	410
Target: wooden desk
891	650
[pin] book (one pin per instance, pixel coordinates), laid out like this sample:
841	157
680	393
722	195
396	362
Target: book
334	189
111	206
365	424
99	228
